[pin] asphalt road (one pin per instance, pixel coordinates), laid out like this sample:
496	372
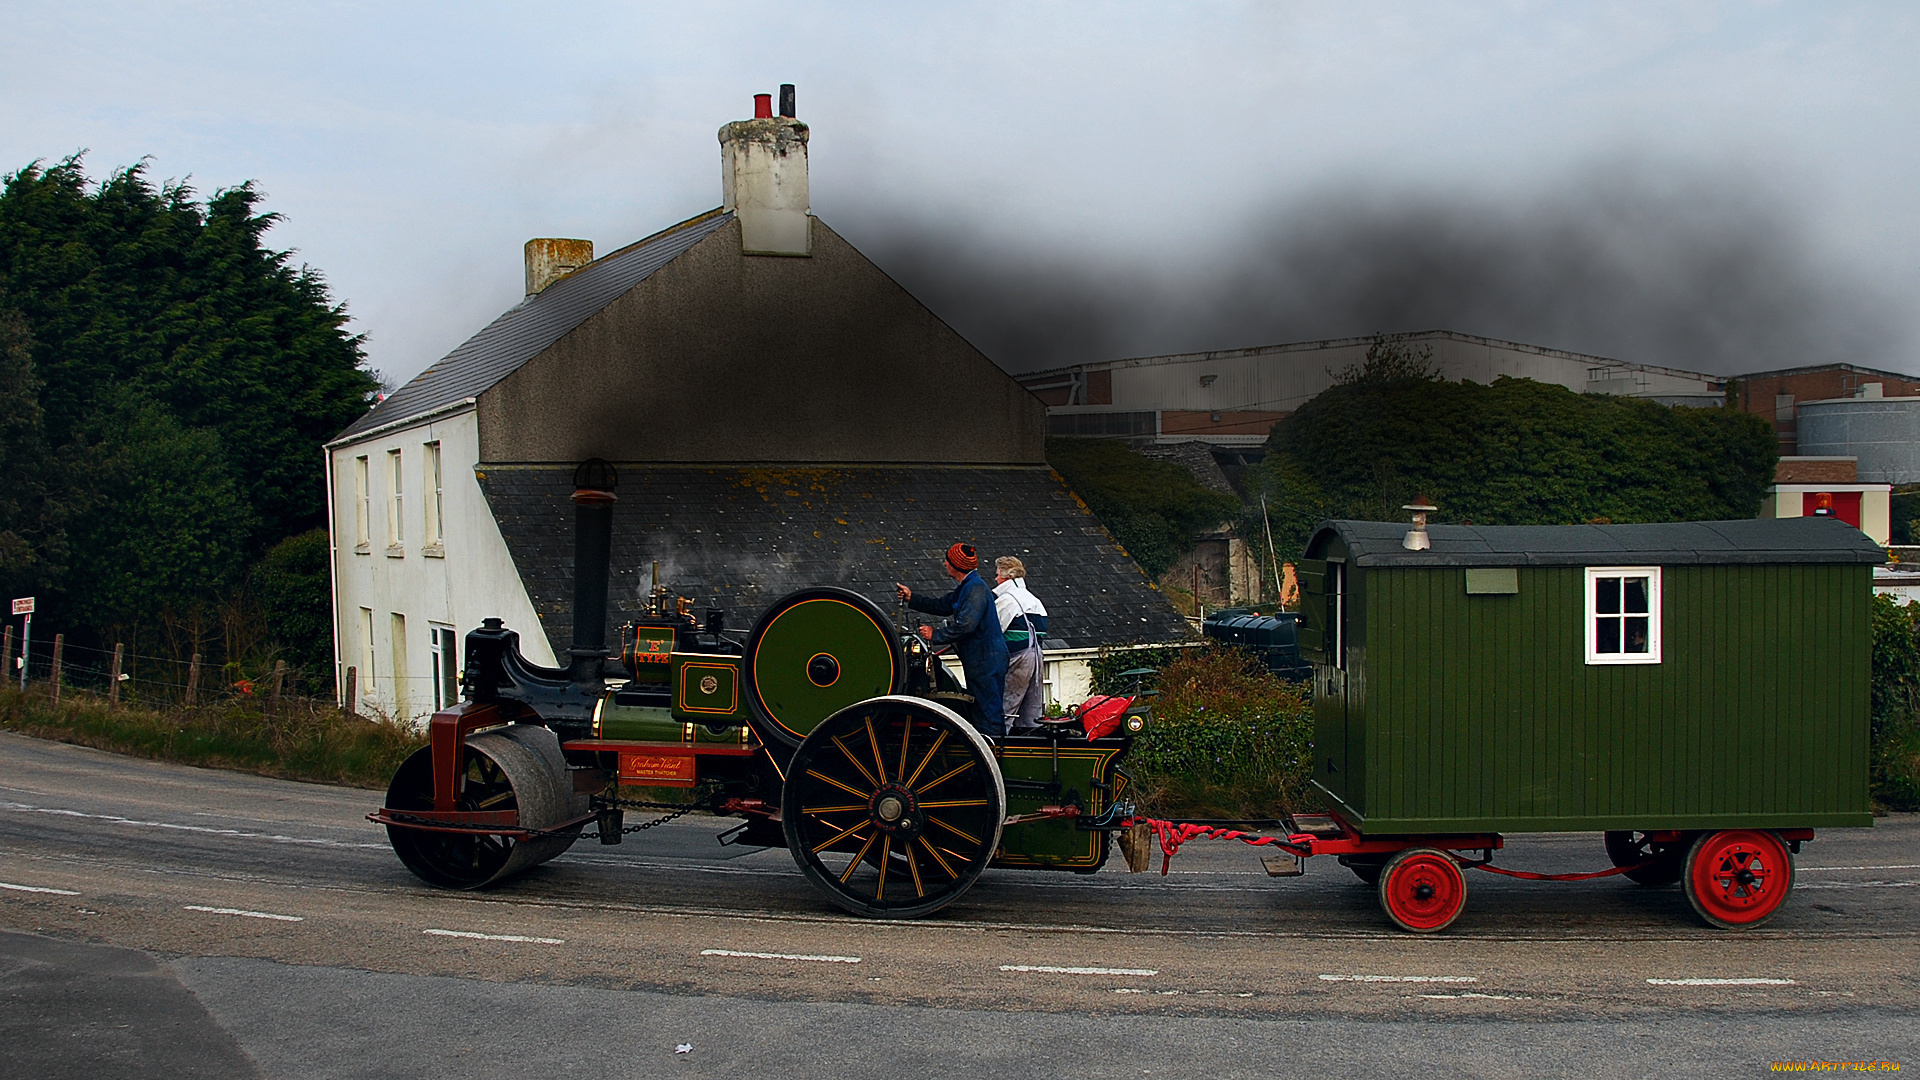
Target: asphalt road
162	920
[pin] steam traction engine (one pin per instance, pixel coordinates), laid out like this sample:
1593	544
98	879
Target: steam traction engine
830	730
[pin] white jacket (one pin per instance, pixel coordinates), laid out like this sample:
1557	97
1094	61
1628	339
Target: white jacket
1011	598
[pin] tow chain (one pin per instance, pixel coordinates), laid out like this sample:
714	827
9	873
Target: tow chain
702	801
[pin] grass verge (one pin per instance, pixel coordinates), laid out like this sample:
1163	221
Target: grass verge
304	740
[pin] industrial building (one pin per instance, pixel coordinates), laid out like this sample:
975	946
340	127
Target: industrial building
781	414
1233	397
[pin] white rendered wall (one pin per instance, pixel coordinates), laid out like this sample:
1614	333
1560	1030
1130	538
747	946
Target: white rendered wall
471	578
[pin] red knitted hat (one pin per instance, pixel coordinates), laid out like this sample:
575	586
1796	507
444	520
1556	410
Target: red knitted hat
963	557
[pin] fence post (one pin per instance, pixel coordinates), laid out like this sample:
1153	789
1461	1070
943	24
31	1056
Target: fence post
193	680
353	692
59	644
279	680
113	677
8	659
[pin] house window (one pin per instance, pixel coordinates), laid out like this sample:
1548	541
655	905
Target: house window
446	667
362	511
364	678
400	667
435	536
1623	615
396	489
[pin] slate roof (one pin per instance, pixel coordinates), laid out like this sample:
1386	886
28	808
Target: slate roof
740	538
529	327
1687	543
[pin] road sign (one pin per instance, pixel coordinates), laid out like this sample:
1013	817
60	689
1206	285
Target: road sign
23	606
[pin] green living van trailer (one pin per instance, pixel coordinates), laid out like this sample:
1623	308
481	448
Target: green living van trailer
1661	683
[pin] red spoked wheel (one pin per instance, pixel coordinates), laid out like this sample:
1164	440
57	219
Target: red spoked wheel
1738	878
1423	890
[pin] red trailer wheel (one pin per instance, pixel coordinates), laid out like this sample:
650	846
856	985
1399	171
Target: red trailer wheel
1423	890
1738	878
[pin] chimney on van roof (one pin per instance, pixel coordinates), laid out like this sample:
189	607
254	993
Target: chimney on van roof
763	178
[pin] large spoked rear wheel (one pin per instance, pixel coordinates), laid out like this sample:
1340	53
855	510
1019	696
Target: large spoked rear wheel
1738	878
517	768
893	807
1656	864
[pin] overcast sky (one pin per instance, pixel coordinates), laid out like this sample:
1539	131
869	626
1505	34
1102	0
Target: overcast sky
1722	186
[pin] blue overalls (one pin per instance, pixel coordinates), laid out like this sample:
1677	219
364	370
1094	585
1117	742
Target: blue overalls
975	635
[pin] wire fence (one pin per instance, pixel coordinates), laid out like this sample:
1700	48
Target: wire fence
53	665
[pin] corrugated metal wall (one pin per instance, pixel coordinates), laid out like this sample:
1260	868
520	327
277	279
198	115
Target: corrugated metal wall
1481	713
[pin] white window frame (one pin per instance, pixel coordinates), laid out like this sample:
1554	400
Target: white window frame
364	678
446	666
396	502
1592	615
362	506
433	504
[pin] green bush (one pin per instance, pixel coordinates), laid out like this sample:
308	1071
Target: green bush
294	588
1227	739
1895	695
1153	508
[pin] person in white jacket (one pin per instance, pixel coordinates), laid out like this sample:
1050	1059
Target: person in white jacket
1023	619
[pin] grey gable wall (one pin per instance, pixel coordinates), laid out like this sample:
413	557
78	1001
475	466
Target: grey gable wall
721	357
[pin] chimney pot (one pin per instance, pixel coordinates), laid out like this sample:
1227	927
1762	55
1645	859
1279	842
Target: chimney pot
549	259
763	181
786	100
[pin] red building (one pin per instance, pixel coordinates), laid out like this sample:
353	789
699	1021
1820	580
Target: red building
1777	395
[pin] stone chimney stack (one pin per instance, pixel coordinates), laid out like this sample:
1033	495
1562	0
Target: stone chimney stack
763	178
550	259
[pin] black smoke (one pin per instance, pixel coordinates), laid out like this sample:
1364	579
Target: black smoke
1705	272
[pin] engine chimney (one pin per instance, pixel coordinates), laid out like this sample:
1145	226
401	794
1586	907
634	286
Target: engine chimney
593	499
550	259
763	178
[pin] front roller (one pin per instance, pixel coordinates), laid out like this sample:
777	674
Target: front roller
516	768
893	806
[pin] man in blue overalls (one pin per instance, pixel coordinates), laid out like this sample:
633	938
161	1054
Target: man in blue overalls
974	632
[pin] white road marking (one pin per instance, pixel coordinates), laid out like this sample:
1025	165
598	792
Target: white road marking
496	937
246	914
1476	997
1899	866
36	888
1720	982
781	956
24	808
1401	978
1044	969
1862	885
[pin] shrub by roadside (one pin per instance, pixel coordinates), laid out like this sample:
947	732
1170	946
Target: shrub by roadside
304	740
1227	740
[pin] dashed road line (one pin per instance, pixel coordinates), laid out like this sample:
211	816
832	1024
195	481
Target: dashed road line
37	888
1860	885
1473	997
25	808
1401	978
1046	969
1721	982
1897	866
781	956
496	937
242	912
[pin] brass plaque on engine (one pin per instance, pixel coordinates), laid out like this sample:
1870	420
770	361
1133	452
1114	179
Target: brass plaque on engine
708	688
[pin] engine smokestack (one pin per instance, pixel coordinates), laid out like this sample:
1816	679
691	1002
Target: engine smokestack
593	499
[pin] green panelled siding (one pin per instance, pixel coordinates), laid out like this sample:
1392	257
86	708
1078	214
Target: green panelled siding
1484	715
